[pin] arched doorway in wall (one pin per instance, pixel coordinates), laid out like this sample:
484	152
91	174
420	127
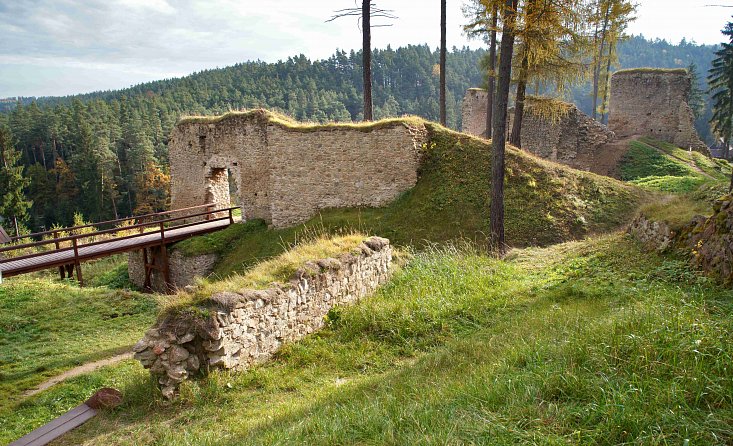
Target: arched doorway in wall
222	185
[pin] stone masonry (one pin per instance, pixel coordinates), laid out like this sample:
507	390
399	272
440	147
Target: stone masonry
654	103
183	269
573	139
244	327
285	172
643	102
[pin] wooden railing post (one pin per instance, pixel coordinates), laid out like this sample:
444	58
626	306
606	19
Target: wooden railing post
231	217
58	246
77	263
164	256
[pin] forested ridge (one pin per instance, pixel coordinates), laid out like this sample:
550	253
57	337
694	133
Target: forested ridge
104	154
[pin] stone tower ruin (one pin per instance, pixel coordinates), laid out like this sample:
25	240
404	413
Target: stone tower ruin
655	103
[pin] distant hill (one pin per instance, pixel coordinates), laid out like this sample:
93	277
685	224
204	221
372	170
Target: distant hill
112	145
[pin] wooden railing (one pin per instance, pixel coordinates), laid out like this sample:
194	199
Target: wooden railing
160	226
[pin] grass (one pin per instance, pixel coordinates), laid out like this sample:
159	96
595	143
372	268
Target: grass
677	211
47	327
264	117
591	342
279	269
660	166
545	203
653	70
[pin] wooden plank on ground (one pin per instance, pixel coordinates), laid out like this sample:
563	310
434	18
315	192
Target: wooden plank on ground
105	398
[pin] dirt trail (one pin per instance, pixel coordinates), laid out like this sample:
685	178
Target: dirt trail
82	369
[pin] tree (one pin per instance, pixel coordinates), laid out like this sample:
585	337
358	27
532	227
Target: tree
367	11
498	145
697	95
484	18
13	203
492	69
552	49
443	112
720	81
609	19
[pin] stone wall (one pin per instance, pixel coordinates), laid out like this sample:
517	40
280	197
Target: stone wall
286	173
573	138
183	269
247	326
473	112
708	242
647	102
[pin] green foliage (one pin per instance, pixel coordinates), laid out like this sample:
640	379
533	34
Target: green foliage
13	203
583	343
720	81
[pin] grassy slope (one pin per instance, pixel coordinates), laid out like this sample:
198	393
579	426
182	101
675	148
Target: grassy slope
47	327
591	342
694	180
545	203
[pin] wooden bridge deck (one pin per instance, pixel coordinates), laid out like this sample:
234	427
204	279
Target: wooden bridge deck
53	259
160	232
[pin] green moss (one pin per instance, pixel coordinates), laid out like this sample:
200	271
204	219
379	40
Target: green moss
653	71
265	117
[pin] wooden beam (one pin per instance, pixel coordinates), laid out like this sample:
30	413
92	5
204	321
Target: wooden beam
105	398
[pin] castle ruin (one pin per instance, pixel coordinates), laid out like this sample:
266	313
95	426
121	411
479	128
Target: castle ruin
654	103
643	102
285	172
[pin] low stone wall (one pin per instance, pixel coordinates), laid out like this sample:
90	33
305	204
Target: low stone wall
708	242
655	235
247	326
183	269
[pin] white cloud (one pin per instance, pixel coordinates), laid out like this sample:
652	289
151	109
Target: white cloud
167	38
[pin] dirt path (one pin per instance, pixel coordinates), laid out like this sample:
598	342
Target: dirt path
82	369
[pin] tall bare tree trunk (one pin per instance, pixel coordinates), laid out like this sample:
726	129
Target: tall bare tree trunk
515	138
498	144
366	24
492	75
597	65
604	102
443	113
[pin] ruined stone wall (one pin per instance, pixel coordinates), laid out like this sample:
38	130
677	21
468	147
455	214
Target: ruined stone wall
248	326
286	174
573	139
473	112
183	269
708	242
647	102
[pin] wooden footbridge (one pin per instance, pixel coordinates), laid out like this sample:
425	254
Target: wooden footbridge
56	249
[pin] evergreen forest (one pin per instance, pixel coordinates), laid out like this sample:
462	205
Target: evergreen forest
103	155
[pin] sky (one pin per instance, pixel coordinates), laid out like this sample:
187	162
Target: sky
63	47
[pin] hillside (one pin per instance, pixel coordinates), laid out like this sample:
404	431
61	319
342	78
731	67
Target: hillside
587	342
545	203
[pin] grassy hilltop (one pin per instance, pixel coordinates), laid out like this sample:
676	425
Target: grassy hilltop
545	203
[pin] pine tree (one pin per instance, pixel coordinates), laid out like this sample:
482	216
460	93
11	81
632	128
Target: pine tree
443	113
720	81
697	95
13	203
